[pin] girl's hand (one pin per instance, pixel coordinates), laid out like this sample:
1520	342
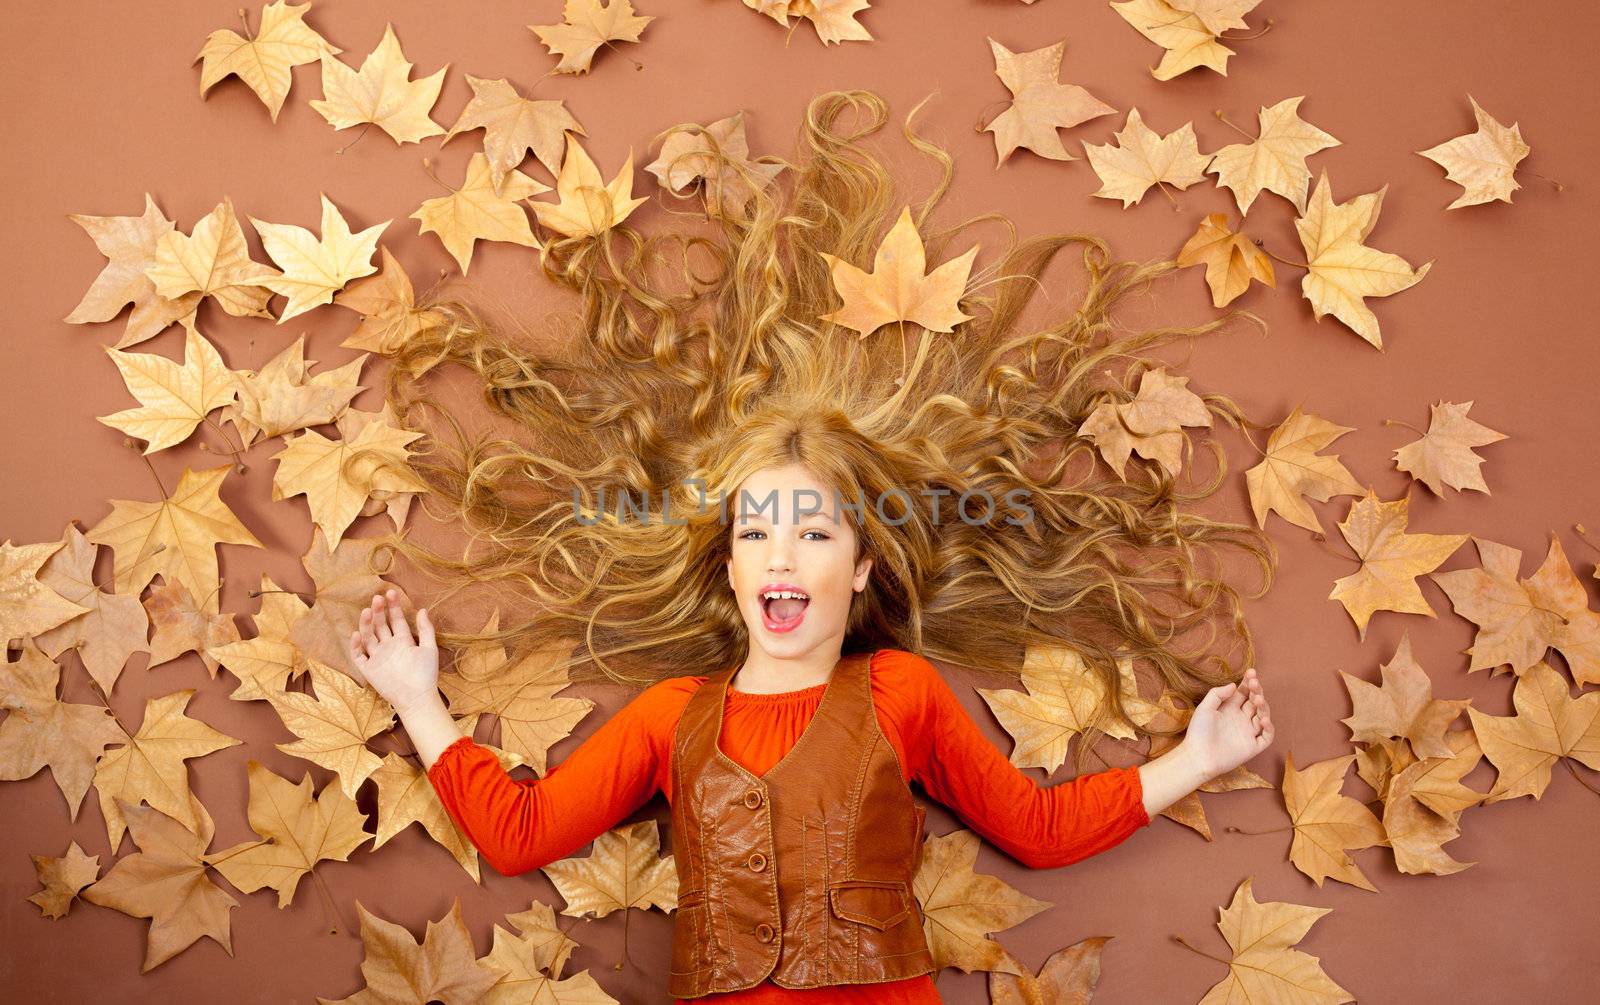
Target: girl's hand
405	671
1229	726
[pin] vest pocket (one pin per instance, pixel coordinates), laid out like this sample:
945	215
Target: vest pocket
689	933
881	903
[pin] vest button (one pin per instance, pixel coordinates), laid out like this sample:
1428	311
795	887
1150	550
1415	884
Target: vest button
752	799
764	932
757	861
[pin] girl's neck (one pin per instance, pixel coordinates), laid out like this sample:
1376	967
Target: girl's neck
761	674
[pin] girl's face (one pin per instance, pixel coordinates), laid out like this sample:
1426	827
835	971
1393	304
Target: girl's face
789	534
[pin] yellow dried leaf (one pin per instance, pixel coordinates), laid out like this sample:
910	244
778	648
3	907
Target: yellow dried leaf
587	26
1231	259
443	967
388	308
114	627
588	206
213	262
1391	559
334	725
1040	104
1443	456
1549	724
337	476
1275	161
130	244
1292	468
961	907
1484	162
897	289
314	270
282	42
173	398
27	605
1265	966
382	93
477	212
512	126
1189	42
62	877
1141	158
1327	824
42	732
625	869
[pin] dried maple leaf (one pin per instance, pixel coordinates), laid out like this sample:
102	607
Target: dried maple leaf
1443	456
1040	104
1343	271
114	627
151	768
1141	157
315	269
345	584
444	967
587	26
29	606
173	398
1391	559
522	979
1519	620
181	627
718	154
298	831
1423	806
537	929
1188	40
405	797
1231	259
282	42
382	93
283	396
334	725
388	308
625	869
1068	977
834	20
961	907
337	476
513	125
478	211
129	244
42	731
1063	698
1484	162
1217	15
175	538
521	696
1265	966
588	205
1379	761
1403	706
61	878
897	289
1150	424
270	660
1292	468
213	262
1549	725
166	881
1327	824
1275	161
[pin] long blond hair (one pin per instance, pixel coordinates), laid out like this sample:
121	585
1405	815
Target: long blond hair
681	394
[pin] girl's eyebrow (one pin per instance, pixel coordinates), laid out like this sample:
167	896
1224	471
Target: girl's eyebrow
756	514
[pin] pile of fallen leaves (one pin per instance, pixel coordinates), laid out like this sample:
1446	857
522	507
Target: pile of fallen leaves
163	595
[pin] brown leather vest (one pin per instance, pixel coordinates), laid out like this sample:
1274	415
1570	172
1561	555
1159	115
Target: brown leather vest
803	874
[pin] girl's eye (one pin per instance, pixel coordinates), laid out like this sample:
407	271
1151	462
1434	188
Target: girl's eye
746	535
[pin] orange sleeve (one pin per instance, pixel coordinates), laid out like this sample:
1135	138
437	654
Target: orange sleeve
523	824
1040	826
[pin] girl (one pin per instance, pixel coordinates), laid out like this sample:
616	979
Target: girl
798	523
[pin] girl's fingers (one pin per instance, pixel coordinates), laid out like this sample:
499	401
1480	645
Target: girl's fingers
398	625
357	653
365	628
380	623
1217	695
425	629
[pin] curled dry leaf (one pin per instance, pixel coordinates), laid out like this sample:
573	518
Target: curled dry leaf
588	205
1068	977
182	627
1231	259
62	877
1189	39
1520	620
687	156
1151	424
1403	706
388	308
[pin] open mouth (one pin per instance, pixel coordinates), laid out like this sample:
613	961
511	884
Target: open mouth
783	610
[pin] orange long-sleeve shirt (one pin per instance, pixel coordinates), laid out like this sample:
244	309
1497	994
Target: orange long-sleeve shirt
523	824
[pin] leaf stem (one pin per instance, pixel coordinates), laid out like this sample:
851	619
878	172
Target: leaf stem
1180	940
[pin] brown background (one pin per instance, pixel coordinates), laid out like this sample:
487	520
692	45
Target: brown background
102	106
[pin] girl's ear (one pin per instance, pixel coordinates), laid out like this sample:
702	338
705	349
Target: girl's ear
863	570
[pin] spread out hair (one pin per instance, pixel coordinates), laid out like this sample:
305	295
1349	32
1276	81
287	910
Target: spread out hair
682	381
